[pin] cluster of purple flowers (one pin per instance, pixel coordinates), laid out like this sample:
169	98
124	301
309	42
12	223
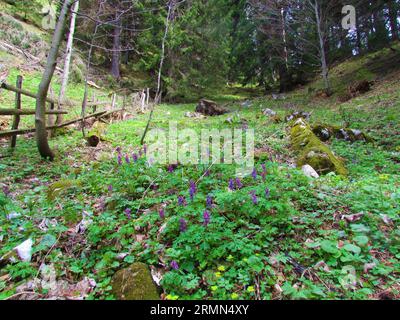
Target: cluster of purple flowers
264	171
172	168
128	213
206	218
135	156
235	184
6	191
192	190
174	265
209	201
254	197
182	225
162	213
182	201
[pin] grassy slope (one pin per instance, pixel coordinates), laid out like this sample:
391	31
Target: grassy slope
245	245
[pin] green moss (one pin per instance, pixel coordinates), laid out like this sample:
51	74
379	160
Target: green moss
312	151
134	283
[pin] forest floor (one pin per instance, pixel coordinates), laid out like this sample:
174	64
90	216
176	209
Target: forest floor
334	237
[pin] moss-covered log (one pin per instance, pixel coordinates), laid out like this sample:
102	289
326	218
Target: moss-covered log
312	151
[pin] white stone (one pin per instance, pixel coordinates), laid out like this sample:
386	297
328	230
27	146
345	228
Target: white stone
309	171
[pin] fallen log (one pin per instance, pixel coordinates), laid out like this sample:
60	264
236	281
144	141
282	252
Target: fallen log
33	95
11	133
26	112
313	151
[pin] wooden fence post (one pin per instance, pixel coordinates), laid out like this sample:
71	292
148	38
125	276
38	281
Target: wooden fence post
17	118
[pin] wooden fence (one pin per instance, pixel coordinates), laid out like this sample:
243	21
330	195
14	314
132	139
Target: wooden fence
110	107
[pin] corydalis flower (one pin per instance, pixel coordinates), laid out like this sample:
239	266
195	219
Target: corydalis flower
127	159
135	157
254	197
162	213
119	159
182	225
110	188
119	150
209	201
192	190
239	184
145	149
267	193
182	201
206	218
254	174
172	167
174	265
128	213
264	171
231	185
6	191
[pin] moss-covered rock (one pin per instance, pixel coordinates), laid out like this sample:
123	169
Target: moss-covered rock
326	132
134	283
312	151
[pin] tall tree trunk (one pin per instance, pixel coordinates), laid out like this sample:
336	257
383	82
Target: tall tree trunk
393	20
116	53
40	118
67	63
324	64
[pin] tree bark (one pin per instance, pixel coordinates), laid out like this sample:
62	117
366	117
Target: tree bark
40	118
324	65
68	56
393	20
116	53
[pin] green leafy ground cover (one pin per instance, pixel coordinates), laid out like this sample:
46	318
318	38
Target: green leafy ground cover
278	235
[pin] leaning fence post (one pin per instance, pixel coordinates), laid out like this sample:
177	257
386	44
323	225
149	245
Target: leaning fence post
17	118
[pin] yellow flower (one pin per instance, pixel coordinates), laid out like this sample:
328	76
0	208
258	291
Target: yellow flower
234	296
218	274
171	297
214	288
250	289
221	268
230	257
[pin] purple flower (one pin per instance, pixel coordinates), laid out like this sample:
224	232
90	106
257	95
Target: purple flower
127	159
145	149
119	150
254	197
6	191
206	218
140	153
135	157
231	185
209	201
264	167
207	173
110	188
128	213
182	225
239	184
264	171
192	190
172	167
267	193
119	159
174	265
162	213
254	174
182	201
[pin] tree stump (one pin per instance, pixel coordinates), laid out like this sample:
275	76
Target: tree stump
210	108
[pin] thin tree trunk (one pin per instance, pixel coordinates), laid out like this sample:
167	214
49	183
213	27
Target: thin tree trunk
393	20
324	65
40	118
65	77
116	54
158	93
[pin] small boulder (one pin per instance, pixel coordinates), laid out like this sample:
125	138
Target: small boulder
297	115
269	112
134	283
194	115
210	108
309	171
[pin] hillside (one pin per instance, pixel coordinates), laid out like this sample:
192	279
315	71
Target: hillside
317	217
